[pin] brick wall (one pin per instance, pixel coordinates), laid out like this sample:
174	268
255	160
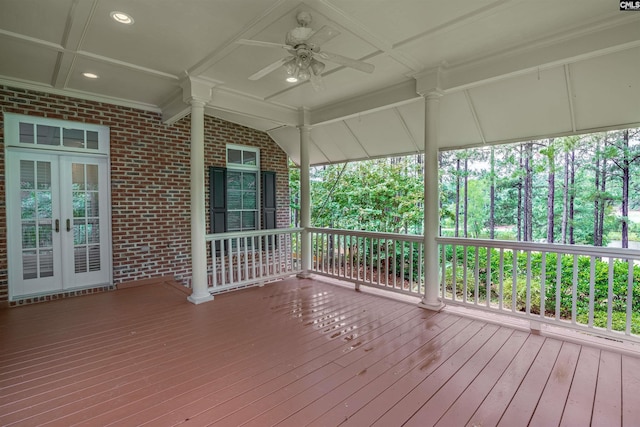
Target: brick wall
149	179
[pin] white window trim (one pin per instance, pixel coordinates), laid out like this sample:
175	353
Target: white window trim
12	134
247	168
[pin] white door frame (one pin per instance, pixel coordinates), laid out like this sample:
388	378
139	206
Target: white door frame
95	149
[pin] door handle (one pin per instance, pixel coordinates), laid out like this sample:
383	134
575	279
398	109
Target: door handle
68	224
57	225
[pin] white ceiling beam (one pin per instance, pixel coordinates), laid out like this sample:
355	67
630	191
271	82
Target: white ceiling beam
382	99
78	20
272	14
236	103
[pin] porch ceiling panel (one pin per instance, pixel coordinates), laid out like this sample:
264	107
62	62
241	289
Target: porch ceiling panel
43	55
40	20
488	52
527	106
130	82
338	142
382	133
607	89
458	125
288	138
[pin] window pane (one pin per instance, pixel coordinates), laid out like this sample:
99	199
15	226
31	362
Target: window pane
233	221
94	258
28	235
234	156
48	135
28	204
233	180
44	204
46	263
93	231
249	158
79	204
29	265
92	177
249	181
45	236
80	261
44	175
77	176
26	133
27	175
73	138
234	200
249	200
248	220
92	205
92	140
79	232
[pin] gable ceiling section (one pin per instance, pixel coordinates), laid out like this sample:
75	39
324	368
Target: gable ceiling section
524	107
337	142
382	133
458	125
606	90
288	138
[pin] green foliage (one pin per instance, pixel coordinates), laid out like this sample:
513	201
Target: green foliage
557	287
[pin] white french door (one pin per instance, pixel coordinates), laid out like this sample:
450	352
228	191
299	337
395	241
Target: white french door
58	222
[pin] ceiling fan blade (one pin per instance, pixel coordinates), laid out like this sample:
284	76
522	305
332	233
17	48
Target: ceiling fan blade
269	68
316	82
262	44
323	35
347	62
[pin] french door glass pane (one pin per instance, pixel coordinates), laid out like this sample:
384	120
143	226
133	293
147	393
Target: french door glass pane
86	212
36	216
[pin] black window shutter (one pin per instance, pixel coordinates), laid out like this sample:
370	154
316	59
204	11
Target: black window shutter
217	199
269	200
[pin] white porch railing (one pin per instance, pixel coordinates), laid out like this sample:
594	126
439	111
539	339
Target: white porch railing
241	259
582	287
388	261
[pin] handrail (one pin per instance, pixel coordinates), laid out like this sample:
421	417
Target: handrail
598	251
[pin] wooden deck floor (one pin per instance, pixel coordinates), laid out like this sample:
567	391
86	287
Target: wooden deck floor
298	352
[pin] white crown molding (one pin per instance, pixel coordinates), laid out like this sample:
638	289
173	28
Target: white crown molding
22	84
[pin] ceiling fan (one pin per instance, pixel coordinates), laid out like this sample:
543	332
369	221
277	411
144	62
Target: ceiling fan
304	46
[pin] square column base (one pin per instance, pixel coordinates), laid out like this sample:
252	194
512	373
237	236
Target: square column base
199	299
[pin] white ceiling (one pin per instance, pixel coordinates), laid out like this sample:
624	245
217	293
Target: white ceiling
509	69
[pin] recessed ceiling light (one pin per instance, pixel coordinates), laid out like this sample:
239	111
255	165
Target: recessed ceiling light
292	79
90	75
122	17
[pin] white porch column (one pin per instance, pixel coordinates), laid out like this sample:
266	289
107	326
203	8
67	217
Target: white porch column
197	94
305	202
431	201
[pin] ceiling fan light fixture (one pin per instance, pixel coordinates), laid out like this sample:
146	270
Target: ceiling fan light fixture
304	74
317	67
292	79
